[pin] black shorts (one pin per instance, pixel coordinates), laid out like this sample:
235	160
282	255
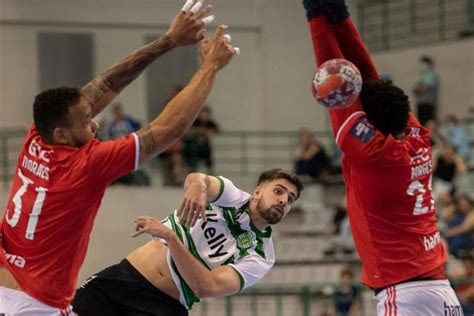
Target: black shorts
121	290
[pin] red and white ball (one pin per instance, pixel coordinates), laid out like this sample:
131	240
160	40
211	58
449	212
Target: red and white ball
337	84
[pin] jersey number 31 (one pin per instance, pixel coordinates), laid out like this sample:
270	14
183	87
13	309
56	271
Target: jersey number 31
37	206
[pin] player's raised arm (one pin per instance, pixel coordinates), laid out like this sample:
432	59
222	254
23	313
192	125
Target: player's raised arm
187	28
326	47
323	35
199	188
350	42
182	110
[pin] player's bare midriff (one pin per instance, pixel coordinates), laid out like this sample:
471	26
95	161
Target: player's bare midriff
150	261
7	280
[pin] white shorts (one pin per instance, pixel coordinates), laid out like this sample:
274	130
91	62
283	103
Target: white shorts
427	298
16	303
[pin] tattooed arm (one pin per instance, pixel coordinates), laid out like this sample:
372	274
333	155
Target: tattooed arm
182	110
186	29
106	86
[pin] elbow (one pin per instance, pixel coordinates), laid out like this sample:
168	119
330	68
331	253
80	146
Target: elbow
200	292
206	288
203	290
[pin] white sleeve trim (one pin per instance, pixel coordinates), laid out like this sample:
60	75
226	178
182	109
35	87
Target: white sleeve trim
252	270
137	150
339	131
231	196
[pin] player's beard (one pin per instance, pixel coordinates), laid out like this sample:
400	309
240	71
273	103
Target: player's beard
269	214
78	143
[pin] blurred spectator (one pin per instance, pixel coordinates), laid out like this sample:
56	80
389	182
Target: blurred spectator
336	159
346	297
197	145
436	138
459	232
339	226
465	289
387	78
310	158
102	131
172	158
340	223
447	168
172	165
426	90
455	135
120	126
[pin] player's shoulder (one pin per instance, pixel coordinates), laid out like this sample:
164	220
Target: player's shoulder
357	137
349	124
417	137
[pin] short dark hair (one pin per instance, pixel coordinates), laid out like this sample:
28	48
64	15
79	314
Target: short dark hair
347	272
274	174
385	105
51	108
427	59
452	118
466	197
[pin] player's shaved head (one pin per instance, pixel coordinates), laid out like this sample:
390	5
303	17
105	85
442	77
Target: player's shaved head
386	106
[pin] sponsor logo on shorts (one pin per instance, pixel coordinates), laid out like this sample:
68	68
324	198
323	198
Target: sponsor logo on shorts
452	310
83	285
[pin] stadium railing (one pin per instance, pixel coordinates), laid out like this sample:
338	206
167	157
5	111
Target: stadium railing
294	300
235	152
390	24
250	152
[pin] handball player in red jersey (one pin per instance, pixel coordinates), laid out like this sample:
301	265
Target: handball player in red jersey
63	171
387	169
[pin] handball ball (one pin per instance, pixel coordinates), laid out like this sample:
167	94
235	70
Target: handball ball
337	84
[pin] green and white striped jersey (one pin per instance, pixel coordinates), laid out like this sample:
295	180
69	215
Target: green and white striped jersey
227	238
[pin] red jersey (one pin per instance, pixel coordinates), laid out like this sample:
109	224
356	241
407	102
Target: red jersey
389	202
56	193
388	181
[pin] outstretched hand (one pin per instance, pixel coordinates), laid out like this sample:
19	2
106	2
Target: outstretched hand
147	224
217	51
188	27
193	206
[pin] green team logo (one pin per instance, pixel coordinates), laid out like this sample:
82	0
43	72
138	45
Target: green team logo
245	240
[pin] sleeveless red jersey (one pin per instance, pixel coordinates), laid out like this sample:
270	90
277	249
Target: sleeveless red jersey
56	193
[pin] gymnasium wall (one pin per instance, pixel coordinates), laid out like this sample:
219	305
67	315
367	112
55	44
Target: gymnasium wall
267	87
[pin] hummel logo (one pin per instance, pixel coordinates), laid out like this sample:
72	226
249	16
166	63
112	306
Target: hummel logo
83	286
414	132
